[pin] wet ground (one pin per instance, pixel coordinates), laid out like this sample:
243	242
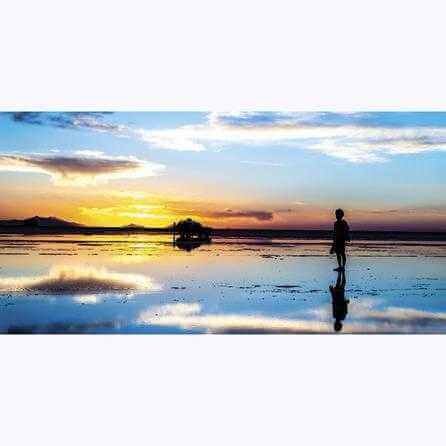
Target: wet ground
144	284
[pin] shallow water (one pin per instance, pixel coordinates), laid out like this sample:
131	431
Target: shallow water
143	284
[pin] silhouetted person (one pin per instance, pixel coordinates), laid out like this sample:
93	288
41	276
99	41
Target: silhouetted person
340	303
341	235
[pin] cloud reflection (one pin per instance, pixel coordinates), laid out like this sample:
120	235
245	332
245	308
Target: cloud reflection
366	320
65	327
83	282
189	316
87	299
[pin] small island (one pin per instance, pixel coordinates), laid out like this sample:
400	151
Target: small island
190	233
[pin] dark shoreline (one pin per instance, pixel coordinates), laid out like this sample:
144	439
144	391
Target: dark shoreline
229	233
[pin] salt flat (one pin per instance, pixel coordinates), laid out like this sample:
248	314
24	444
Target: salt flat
144	284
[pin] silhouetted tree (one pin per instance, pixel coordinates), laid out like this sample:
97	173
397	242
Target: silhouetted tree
189	229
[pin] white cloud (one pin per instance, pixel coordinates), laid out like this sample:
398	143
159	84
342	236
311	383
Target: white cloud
83	167
93	121
343	137
182	139
352	137
90	153
264	163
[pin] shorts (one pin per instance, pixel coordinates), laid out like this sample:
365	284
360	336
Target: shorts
339	247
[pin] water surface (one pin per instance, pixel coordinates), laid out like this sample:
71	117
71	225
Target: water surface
144	284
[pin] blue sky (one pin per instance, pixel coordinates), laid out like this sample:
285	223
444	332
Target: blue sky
235	169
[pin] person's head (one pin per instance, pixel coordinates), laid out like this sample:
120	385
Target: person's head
339	214
337	325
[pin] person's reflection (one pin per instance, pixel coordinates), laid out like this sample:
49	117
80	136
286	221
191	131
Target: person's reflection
340	303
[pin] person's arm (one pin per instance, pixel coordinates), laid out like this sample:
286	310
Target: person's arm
347	232
332	249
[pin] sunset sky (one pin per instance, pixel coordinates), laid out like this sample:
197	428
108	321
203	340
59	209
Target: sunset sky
235	169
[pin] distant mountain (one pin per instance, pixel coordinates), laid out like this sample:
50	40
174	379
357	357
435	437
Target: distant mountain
41	222
11	222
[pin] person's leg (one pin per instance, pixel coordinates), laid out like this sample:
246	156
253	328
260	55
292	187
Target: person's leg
338	280
344	259
338	257
343	280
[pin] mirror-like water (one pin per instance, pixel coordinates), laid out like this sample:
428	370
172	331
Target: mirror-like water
143	284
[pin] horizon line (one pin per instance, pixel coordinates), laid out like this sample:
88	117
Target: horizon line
135	227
